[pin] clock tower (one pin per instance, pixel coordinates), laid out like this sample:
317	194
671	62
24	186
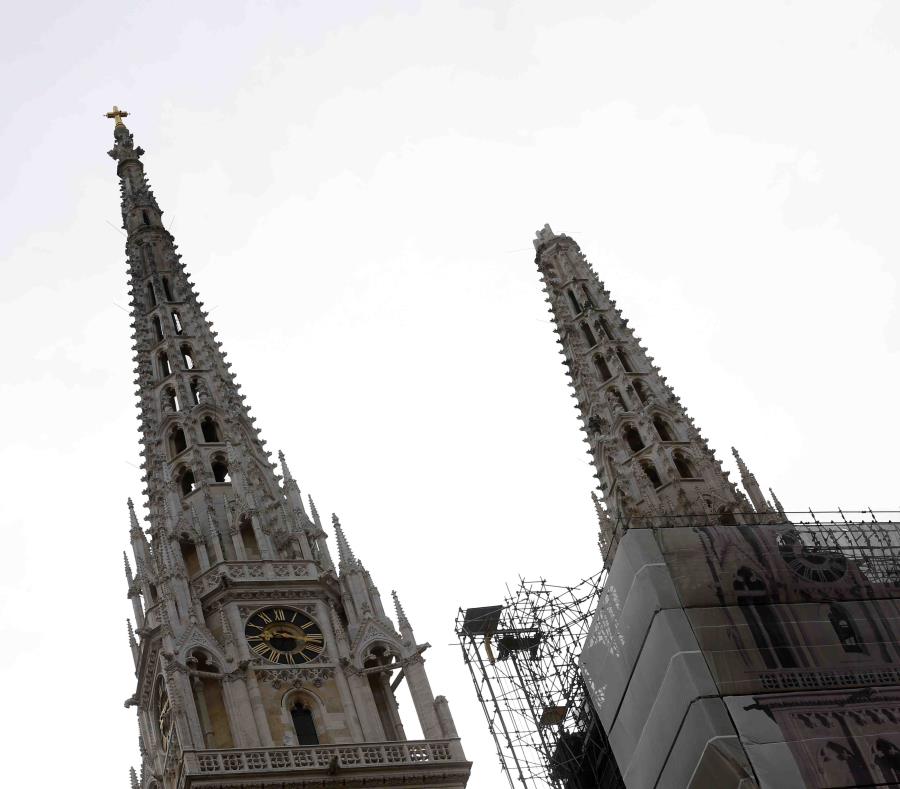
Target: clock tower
260	661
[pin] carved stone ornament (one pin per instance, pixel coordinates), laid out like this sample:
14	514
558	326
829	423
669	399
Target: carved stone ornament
295	677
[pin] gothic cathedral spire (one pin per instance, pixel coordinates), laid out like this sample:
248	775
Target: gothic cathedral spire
650	459
250	646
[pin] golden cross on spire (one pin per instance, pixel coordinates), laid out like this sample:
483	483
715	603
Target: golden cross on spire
117	114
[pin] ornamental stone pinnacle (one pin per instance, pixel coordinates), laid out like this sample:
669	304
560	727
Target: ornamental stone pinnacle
235	592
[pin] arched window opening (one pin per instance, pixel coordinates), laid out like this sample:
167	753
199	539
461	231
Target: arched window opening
145	217
727	518
186	480
189	555
662	429
151	296
169	401
576	307
602	368
633	439
845	630
385	700
166	289
641	391
157	327
617	397
220	470
248	538
304	727
147	252
626	362
187	357
588	301
601	326
684	466
210	701
176	322
178	441
588	335
195	392
210	431
652	474
164	368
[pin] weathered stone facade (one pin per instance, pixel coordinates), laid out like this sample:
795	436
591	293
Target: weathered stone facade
732	647
259	662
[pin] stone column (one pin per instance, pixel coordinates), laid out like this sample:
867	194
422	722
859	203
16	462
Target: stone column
423	699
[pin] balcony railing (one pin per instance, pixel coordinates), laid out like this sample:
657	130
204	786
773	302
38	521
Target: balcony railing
321	757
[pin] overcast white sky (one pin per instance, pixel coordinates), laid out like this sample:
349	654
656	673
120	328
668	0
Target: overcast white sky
354	187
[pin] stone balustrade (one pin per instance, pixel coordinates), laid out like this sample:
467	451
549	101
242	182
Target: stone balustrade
214	763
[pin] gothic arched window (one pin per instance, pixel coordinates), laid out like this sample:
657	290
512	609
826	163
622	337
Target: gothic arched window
576	307
304	726
844	629
626	362
176	322
177	441
633	438
602	368
164	369
641	391
145	217
151	296
601	325
157	327
652	474
662	428
190	557
186	481
588	335
187	357
170	400
248	538
210	430
684	466
220	470
588	301
166	289
195	391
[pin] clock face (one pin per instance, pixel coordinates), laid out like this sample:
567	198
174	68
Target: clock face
284	635
811	565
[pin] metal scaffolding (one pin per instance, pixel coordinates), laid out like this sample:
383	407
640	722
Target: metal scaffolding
523	658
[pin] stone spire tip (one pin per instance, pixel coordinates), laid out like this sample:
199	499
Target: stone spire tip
401	614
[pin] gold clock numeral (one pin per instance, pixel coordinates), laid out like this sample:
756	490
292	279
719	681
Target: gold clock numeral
278	613
253	624
314	637
308	625
289	657
265	617
317	648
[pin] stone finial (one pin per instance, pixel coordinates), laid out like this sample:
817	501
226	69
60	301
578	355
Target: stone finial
133	520
339	631
401	614
315	513
132	641
285	470
777	504
129	577
345	552
227	635
134	779
742	467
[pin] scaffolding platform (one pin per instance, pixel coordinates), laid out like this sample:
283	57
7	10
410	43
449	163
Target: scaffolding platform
523	659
